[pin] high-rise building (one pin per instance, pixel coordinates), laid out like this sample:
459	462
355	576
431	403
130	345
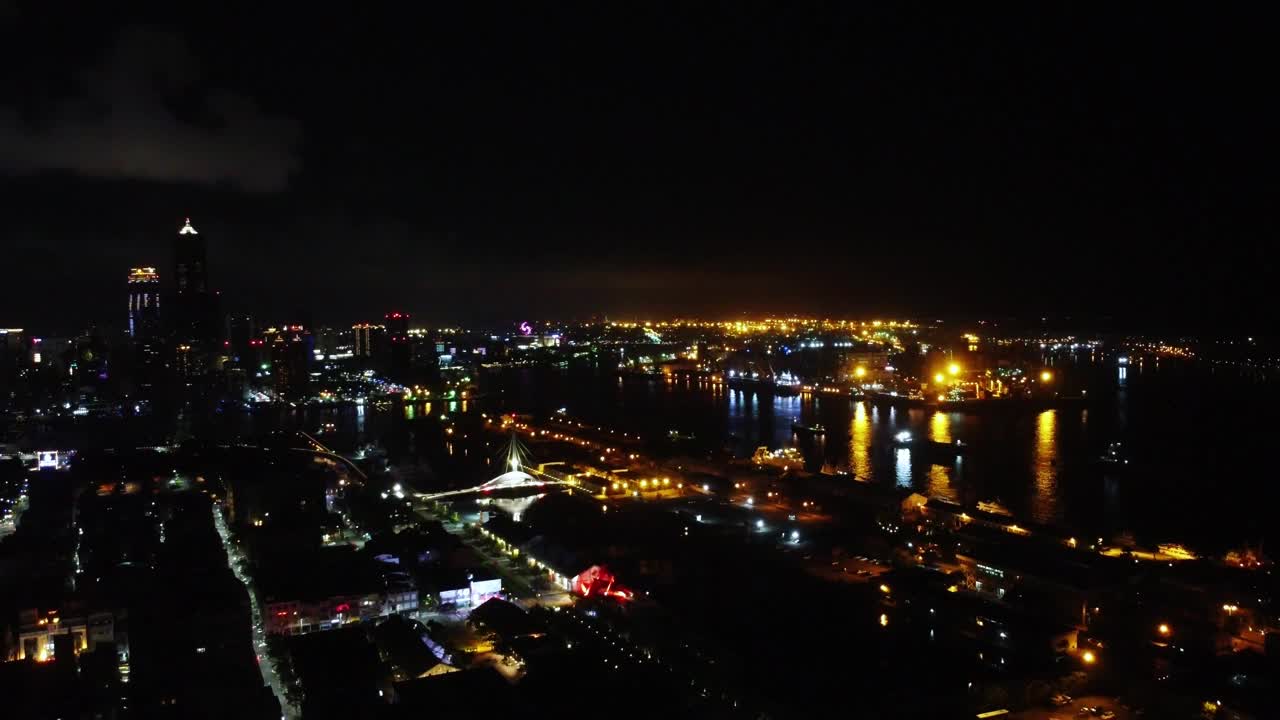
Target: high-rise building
196	308
185	366
13	344
292	349
144	302
369	339
189	257
398	339
145	327
240	335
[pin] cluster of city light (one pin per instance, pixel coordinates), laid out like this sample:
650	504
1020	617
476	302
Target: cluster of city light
644	485
765	325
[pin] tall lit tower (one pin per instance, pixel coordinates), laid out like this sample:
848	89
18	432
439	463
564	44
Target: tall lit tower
145	328
144	302
189	271
195	307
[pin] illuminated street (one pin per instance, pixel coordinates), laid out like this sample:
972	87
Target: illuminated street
265	661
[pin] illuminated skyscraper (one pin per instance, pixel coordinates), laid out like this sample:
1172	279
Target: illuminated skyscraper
291	348
189	255
144	302
145	328
196	308
369	339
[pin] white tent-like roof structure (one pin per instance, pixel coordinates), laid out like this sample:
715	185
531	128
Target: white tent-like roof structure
513	478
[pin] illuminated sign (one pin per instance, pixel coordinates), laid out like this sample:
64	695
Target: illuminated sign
47	459
526	328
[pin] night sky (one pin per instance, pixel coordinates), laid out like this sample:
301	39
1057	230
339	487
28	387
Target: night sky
478	162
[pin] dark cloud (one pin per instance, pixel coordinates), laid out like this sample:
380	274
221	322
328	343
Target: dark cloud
142	114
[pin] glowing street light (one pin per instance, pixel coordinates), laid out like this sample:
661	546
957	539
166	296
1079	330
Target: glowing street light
860	372
1046	376
1163	629
1088	657
954	368
939	377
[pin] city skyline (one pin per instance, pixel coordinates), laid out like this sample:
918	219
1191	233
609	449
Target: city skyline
837	162
737	361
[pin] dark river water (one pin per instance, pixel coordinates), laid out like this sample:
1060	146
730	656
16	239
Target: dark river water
1199	441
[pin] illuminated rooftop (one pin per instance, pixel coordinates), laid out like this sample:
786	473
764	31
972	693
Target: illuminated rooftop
143	275
187	229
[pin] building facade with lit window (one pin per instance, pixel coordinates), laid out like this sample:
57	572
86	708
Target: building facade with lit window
145	326
292	350
144	302
369	340
38	632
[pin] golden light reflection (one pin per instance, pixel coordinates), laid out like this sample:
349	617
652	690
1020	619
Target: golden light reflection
1044	503
940	482
860	442
940	427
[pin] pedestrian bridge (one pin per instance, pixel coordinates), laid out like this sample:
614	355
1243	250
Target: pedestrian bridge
512	479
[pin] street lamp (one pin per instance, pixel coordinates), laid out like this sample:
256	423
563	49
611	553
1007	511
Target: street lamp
860	372
954	368
939	378
1088	657
1046	376
1163	629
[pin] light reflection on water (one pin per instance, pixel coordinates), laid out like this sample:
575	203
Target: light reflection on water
1042	465
1044	468
940	483
940	427
902	467
860	442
